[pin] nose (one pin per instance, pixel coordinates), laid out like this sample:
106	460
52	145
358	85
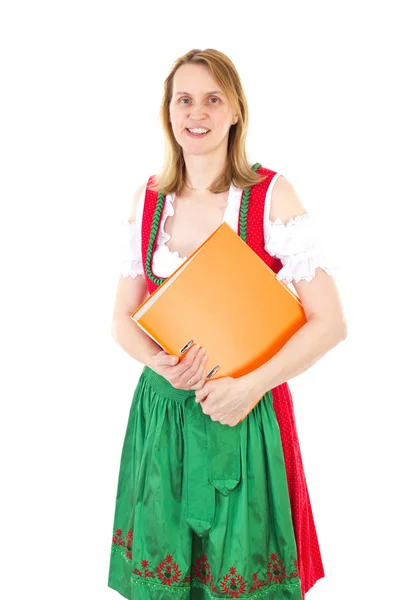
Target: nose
197	113
197	116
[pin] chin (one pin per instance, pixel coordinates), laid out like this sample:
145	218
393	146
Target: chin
190	150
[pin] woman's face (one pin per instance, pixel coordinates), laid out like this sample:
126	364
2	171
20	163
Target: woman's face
198	102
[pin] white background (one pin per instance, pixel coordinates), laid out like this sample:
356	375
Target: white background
81	89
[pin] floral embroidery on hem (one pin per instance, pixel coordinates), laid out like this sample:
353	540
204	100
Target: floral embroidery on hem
125	543
232	585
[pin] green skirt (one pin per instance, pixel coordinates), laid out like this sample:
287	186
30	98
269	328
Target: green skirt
202	509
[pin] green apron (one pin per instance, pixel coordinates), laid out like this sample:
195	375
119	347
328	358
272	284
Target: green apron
202	509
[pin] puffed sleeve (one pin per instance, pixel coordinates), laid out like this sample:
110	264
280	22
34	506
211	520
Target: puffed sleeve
298	246
131	249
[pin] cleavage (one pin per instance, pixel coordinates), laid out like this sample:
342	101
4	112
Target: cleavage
193	222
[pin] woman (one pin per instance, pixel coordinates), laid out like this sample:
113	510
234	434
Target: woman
176	534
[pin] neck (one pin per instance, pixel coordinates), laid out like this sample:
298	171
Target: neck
202	170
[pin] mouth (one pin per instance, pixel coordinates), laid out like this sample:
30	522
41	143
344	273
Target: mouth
196	133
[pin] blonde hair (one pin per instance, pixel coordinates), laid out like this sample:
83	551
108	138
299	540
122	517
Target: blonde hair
238	170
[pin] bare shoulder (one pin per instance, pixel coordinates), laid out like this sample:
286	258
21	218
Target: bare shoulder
135	201
285	201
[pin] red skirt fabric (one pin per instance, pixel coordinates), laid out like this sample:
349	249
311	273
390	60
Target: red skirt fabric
310	561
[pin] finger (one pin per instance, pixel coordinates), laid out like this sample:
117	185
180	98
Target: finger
203	374
199	360
190	355
179	365
202	393
202	380
196	372
195	376
163	359
199	395
187	370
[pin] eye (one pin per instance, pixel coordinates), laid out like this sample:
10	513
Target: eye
211	98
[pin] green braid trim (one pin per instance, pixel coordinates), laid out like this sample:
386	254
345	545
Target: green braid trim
153	235
244	209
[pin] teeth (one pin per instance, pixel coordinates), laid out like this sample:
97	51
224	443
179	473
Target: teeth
197	130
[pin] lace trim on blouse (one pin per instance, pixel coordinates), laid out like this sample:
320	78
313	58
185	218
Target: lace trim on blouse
131	250
298	247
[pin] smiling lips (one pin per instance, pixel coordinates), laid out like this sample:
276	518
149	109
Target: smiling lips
197	132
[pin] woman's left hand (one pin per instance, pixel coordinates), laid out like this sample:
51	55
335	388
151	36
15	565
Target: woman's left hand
226	400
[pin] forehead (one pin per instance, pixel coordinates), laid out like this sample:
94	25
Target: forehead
194	79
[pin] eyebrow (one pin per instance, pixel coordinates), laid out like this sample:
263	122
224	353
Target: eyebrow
206	94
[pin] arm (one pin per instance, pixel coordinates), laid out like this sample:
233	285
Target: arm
130	293
325	326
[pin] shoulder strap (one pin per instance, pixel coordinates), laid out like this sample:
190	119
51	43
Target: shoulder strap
150	202
255	219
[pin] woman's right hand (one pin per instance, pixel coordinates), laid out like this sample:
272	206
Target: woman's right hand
187	374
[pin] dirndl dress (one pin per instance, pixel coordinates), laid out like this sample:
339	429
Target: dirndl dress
205	510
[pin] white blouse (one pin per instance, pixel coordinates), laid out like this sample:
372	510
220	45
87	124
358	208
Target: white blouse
295	243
